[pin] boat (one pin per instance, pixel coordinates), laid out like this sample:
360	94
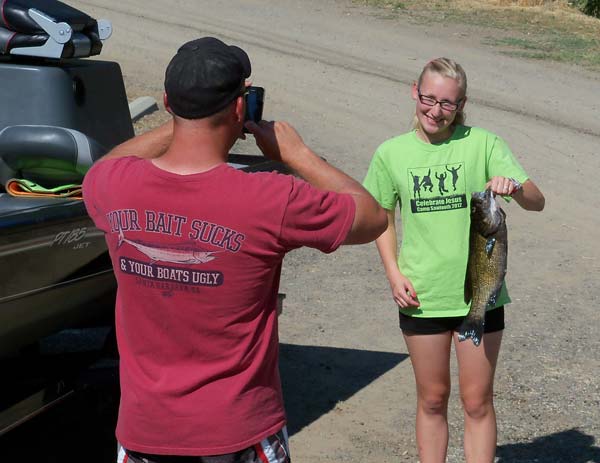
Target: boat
61	111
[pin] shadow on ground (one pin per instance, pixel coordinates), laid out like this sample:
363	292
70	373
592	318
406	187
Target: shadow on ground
82	427
571	446
316	378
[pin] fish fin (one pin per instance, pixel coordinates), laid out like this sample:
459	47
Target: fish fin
491	303
489	246
471	329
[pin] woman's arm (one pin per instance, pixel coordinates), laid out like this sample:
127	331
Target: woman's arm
403	291
527	195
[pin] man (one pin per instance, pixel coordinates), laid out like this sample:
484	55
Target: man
197	248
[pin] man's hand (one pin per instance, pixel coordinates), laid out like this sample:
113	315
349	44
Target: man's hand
278	141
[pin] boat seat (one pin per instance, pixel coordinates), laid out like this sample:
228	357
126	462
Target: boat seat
48	155
49	29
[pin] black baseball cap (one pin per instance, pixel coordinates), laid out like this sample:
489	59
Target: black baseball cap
204	76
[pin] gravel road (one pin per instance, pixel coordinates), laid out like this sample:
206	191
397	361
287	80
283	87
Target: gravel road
341	73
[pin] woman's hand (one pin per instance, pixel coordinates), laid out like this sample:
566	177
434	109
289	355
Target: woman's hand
504	186
403	292
527	195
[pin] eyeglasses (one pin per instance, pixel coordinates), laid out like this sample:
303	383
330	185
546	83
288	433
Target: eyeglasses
444	104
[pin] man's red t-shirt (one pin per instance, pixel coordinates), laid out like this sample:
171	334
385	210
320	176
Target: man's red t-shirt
197	260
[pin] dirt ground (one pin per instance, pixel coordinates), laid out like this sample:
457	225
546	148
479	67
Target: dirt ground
341	73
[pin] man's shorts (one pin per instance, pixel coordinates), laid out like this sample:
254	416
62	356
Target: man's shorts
272	449
494	321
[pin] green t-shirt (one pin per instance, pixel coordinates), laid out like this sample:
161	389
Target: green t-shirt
432	184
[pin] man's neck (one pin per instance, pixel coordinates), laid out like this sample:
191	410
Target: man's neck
195	150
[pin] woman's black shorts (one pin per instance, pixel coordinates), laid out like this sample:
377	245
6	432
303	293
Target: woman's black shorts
494	321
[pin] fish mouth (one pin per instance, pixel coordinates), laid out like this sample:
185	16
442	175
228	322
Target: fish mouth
484	201
483	195
486	212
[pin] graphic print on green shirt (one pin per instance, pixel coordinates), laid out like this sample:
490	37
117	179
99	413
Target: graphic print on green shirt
432	185
446	191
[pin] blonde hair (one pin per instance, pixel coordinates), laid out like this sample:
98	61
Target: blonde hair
447	67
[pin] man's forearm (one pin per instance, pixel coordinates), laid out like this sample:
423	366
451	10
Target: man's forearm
370	219
150	144
321	174
280	142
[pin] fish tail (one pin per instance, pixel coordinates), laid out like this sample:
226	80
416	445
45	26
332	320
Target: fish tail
471	329
121	238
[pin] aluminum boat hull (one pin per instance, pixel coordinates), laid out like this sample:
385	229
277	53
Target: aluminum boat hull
56	272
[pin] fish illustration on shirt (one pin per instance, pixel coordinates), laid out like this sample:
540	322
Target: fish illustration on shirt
166	254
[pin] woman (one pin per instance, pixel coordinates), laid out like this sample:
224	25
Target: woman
430	174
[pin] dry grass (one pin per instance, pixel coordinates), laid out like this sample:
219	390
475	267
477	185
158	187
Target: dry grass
513	3
538	29
547	11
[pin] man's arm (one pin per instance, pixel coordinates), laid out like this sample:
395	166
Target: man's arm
280	142
150	144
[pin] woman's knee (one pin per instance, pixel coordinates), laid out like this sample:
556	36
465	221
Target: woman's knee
434	402
477	406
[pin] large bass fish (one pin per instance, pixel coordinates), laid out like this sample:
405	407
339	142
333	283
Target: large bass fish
488	253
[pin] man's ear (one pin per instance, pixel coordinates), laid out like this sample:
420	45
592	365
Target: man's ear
240	109
166	103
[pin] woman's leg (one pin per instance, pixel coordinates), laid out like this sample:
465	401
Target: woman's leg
430	357
476	368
